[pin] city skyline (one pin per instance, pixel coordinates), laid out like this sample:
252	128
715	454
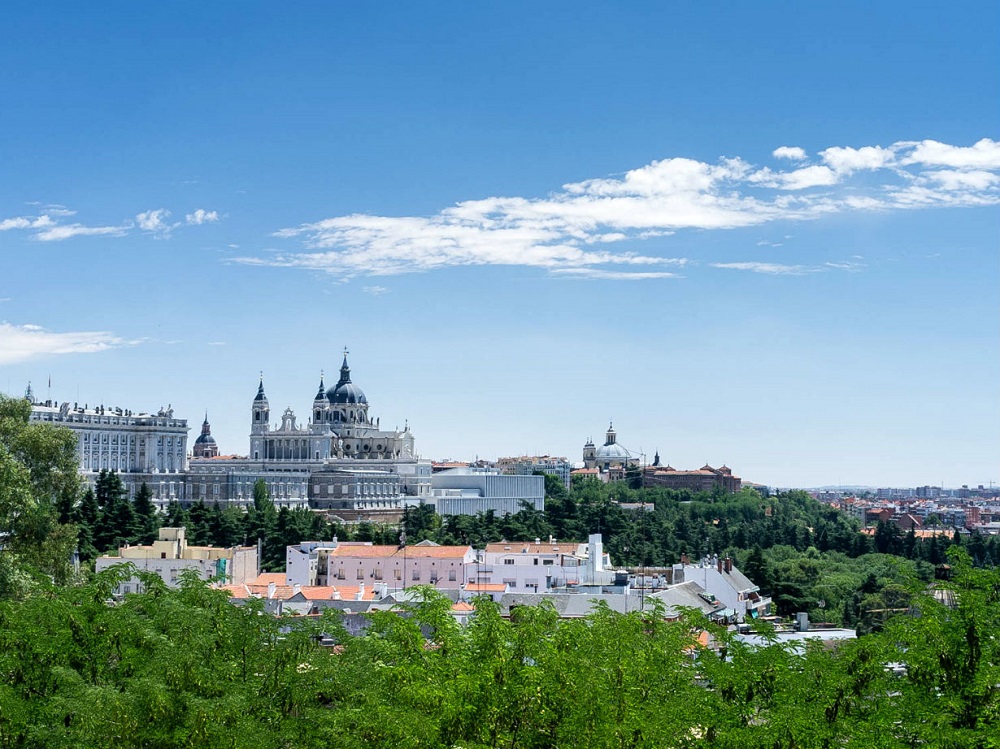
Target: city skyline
766	238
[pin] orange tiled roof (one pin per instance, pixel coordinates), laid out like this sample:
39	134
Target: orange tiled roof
530	547
486	587
463	606
412	552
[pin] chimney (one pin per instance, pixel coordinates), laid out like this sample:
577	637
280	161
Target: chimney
271	587
685	559
336	595
729	564
296	589
718	565
361	593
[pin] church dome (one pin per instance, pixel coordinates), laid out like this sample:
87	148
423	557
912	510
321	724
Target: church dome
205	439
346	393
614	451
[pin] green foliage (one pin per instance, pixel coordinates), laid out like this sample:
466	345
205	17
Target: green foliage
38	489
179	668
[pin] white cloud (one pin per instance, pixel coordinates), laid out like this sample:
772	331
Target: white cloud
23	222
155	222
847	160
976	180
984	154
774	269
610	275
595	225
800	179
793	153
20	343
67	231
375	290
201	216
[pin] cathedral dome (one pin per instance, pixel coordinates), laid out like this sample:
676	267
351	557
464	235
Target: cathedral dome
346	393
205	439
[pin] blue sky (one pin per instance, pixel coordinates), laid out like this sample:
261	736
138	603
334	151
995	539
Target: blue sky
765	236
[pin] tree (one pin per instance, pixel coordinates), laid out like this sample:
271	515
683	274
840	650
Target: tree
147	518
38	478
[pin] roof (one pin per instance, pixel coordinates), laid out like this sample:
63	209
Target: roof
463	607
530	547
304	592
486	587
418	551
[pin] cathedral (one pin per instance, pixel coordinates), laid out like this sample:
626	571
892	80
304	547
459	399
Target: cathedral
340	428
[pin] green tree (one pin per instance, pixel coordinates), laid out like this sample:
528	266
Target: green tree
147	518
38	478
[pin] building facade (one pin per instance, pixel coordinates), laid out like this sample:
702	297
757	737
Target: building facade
142	447
469	491
530	464
170	555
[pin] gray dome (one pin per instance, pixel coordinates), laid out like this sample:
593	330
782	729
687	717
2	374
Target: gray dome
347	392
614	451
205	439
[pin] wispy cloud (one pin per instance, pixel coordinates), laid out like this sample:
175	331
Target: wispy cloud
612	275
375	290
67	231
48	225
590	228
774	269
20	343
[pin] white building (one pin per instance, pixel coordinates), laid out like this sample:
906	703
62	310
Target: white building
170	555
141	447
469	491
334	563
720	579
525	566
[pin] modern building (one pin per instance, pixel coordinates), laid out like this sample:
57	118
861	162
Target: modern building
469	491
170	555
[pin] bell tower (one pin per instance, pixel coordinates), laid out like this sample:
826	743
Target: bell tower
261	411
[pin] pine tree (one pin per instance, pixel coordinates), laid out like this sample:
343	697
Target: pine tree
146	516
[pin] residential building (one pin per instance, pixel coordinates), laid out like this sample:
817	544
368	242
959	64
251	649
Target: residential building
339	563
527	465
170	555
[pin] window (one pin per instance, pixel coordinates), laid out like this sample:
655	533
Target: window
546	561
451	575
508	561
510	581
378	573
361	574
397	574
416	574
341	575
